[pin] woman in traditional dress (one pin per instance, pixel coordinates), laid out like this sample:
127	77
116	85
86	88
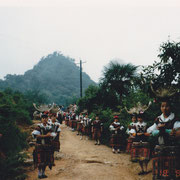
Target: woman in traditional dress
141	143
165	129
163	124
85	128
43	152
166	155
140	150
130	131
79	124
55	129
97	128
117	131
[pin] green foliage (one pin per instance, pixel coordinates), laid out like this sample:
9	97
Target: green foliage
166	71
134	97
115	85
55	77
31	97
97	97
131	101
170	56
11	168
107	117
89	101
119	78
13	112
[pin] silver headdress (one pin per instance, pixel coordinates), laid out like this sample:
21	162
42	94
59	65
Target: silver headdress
43	107
164	92
55	109
85	111
138	108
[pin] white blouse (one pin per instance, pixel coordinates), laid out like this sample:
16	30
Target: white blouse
161	119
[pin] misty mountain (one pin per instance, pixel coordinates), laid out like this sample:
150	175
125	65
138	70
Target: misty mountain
56	76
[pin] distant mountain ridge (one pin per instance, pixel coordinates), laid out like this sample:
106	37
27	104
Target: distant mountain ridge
55	75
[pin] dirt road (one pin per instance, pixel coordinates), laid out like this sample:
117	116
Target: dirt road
82	160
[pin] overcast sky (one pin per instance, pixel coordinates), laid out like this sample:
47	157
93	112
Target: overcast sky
96	31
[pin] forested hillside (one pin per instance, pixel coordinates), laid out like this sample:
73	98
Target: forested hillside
56	76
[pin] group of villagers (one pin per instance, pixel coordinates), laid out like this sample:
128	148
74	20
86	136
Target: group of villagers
85	126
159	142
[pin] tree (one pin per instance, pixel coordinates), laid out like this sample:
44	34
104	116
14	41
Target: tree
166	71
119	78
90	100
96	97
13	140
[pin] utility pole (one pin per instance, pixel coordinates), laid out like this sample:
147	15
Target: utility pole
81	76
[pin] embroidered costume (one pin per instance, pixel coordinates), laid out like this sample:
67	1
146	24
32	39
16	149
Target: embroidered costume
43	148
130	131
117	140
97	126
140	148
55	128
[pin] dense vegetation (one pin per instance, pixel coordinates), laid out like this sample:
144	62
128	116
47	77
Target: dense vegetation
124	85
55	76
15	111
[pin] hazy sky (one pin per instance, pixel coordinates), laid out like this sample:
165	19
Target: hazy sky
96	31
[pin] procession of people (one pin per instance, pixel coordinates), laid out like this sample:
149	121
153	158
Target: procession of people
159	141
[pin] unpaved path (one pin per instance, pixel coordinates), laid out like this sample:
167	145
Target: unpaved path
82	160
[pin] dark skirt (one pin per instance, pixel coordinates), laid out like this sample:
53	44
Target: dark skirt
166	162
74	124
43	155
116	140
70	123
79	126
140	151
129	145
55	146
96	134
85	130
